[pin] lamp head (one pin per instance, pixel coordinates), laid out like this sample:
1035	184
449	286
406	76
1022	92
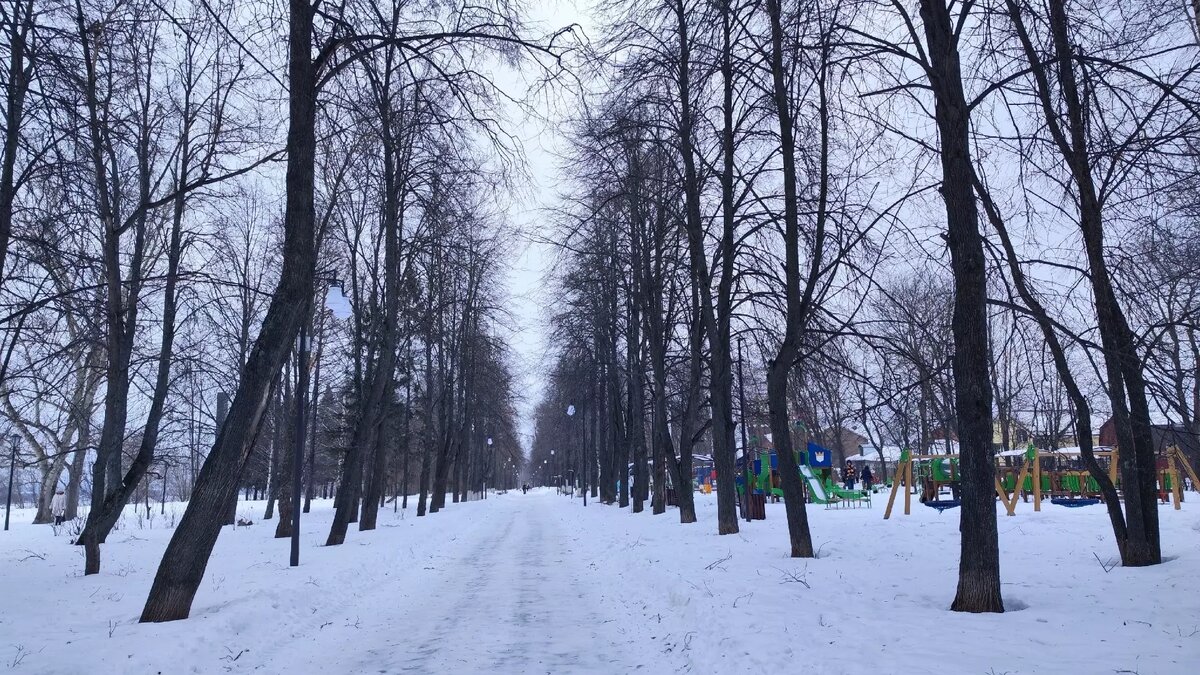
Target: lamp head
337	302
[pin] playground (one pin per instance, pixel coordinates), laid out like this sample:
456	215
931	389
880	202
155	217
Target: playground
1059	477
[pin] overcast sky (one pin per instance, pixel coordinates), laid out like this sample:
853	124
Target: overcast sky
542	144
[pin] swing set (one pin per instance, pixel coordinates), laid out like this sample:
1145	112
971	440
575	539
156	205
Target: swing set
1071	488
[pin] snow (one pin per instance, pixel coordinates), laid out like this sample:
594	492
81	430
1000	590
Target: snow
869	453
1071	450
1076	450
537	583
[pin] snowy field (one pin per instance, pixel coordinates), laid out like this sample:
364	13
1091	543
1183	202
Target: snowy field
538	584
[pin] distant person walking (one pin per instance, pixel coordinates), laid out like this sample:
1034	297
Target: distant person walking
848	476
525	488
867	478
58	507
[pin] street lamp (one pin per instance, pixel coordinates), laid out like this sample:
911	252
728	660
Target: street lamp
488	473
337	304
582	456
13	441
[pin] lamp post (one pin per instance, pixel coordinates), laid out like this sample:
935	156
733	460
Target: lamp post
13	441
582	454
746	470
337	303
487	474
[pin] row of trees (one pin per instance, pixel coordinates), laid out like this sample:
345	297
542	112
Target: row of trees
902	217
174	213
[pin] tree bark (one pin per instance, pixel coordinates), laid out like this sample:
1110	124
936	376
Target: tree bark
716	324
182	567
979	554
282	403
282	454
779	368
1123	364
19	76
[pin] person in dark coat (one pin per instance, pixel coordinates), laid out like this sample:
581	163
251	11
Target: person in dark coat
867	478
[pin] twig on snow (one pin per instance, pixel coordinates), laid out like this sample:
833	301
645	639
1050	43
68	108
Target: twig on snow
790	576
718	563
1105	566
19	656
33	554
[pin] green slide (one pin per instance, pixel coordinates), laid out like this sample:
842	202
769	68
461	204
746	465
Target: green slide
815	490
828	493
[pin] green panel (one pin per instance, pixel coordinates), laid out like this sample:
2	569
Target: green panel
944	469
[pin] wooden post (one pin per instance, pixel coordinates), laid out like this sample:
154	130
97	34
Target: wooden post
908	479
897	479
1037	482
1187	466
1112	464
1030	458
1173	473
1003	495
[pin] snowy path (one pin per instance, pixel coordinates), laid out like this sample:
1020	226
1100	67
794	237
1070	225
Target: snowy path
514	600
538	584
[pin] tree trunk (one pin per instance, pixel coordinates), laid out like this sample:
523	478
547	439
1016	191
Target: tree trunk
634	375
979	553
780	367
49	483
1123	365
73	483
717	327
283	403
1083	416
283	453
19	76
182	567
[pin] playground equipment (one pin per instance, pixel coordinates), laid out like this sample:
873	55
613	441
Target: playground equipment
1069	487
1074	502
942	504
815	470
1072	486
1170	479
829	494
933	471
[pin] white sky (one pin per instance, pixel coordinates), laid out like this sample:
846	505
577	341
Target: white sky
529	274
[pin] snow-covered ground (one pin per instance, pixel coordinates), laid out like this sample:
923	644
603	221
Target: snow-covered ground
538	584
